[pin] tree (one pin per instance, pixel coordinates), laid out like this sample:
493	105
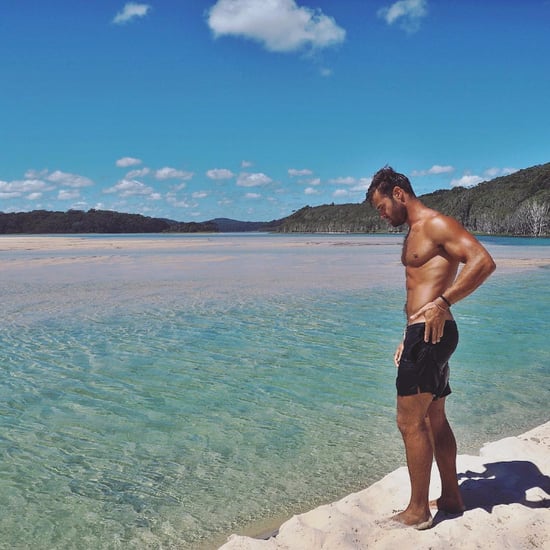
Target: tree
536	217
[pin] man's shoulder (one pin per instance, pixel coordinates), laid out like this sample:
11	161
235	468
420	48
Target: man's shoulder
436	221
442	229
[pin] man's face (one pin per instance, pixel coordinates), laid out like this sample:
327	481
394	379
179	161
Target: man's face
390	209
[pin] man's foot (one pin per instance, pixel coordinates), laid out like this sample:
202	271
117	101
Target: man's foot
448	505
404	519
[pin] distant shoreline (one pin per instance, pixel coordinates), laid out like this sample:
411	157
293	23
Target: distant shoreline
539	246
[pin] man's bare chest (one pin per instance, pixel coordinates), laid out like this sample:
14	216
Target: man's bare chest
417	251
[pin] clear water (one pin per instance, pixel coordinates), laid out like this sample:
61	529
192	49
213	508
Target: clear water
164	397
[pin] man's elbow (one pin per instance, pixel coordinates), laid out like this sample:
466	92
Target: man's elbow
490	265
484	264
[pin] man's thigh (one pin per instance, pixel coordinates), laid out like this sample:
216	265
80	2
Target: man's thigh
413	408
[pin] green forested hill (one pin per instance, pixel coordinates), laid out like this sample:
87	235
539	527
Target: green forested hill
518	204
92	221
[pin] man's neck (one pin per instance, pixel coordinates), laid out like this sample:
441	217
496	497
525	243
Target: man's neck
415	211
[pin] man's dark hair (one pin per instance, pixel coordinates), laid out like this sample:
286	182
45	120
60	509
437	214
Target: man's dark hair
385	180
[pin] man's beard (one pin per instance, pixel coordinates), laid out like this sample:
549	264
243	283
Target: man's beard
399	214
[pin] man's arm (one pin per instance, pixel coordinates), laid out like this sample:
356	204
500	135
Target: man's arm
461	246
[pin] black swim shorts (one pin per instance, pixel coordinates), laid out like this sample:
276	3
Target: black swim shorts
424	367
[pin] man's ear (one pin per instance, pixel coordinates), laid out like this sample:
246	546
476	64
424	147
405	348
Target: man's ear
398	193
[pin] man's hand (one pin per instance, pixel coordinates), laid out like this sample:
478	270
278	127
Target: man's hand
435	317
398	353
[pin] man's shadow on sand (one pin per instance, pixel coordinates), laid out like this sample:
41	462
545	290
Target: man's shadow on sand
501	483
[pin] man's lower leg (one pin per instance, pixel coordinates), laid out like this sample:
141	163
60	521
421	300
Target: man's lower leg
414	428
445	451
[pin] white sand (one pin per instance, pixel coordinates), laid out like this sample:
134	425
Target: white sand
506	490
295	261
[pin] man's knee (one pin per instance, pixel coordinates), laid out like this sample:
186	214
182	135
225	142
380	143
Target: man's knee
437	416
412	411
408	424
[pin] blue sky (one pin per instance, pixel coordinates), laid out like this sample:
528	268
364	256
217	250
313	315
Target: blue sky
250	109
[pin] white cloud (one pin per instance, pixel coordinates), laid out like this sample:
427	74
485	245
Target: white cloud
34	183
340	193
343	181
140	173
246	164
199	194
434	170
311	191
124	162
508	171
130	11
468	180
36	174
437	169
69	180
497	172
171	173
68	194
252	196
34	196
362	184
219	174
292	172
253	180
492	172
408	13
130	188
181	202
280	25
16	188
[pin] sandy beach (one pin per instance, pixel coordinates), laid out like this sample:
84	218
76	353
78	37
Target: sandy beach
54	249
506	490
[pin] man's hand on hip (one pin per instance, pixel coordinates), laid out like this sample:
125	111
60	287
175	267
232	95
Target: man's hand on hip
435	317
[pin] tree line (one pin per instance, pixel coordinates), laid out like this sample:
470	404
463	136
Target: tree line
93	221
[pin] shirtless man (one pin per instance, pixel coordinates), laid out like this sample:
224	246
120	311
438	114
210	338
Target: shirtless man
433	249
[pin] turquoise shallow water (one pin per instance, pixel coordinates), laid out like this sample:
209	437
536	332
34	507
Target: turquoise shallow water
165	418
